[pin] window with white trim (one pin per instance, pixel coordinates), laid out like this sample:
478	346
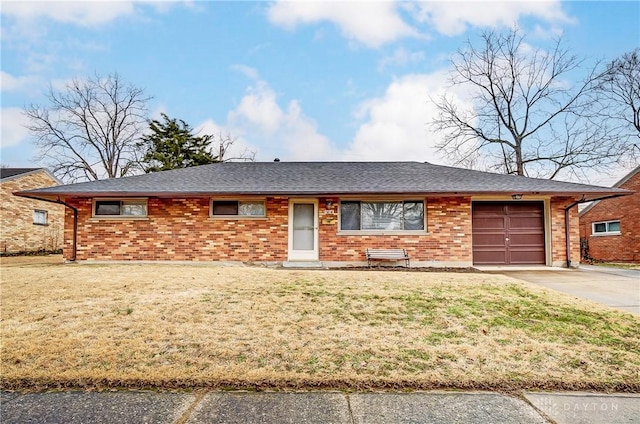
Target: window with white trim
40	217
120	207
238	208
605	227
403	215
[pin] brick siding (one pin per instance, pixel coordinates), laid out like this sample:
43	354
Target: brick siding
448	238
558	235
624	247
19	233
181	229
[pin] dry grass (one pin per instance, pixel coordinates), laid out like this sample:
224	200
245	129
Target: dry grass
179	326
624	265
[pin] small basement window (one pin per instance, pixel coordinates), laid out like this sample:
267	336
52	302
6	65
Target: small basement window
239	208
607	227
39	217
120	207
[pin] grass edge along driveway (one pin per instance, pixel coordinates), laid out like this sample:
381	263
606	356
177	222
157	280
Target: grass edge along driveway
179	326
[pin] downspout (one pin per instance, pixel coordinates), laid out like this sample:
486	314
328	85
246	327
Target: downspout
566	221
74	249
567	232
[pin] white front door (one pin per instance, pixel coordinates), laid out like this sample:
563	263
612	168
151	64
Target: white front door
303	230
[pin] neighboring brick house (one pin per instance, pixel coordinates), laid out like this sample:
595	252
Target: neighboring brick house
27	224
324	213
610	229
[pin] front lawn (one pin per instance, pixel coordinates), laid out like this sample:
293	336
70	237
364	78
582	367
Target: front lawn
190	326
624	265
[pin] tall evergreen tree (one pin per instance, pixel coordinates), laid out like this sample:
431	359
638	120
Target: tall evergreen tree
171	144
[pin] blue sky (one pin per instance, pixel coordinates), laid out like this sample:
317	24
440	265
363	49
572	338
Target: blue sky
294	80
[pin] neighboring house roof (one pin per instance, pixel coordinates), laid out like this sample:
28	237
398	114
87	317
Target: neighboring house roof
321	178
11	173
618	184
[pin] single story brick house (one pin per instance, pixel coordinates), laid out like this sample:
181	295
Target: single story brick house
610	229
324	213
28	225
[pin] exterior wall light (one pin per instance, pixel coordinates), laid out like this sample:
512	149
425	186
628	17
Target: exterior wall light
516	196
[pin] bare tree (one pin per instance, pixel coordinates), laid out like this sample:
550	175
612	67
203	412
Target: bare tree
225	143
89	130
527	119
619	91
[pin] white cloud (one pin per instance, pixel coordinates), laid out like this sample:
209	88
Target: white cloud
400	57
300	133
546	33
245	70
259	108
262	124
83	13
375	23
28	20
28	83
240	146
394	126
370	23
397	125
454	17
13	127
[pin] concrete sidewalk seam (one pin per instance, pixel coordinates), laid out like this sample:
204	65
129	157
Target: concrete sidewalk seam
351	419
535	408
187	413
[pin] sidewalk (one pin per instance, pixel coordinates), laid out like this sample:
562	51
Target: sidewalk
318	407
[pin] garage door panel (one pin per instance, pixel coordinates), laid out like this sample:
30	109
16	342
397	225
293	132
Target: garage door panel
489	257
489	208
533	257
526	239
517	222
487	223
490	240
524	207
508	233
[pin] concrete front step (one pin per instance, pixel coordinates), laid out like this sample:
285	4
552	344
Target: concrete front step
303	264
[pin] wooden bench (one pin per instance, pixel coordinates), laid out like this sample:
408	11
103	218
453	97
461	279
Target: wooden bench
387	254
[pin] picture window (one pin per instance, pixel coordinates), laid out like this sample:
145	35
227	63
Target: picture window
406	215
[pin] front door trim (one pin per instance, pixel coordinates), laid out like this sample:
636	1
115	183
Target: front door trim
303	255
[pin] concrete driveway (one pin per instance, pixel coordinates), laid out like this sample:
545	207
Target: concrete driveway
618	288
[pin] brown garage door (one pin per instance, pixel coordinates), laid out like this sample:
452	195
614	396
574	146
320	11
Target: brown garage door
508	233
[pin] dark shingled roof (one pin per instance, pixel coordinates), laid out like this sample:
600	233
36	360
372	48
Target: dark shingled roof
12	172
321	178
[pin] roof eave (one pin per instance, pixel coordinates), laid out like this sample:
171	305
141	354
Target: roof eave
584	195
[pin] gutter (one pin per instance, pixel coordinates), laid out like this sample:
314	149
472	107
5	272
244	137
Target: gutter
566	220
75	220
